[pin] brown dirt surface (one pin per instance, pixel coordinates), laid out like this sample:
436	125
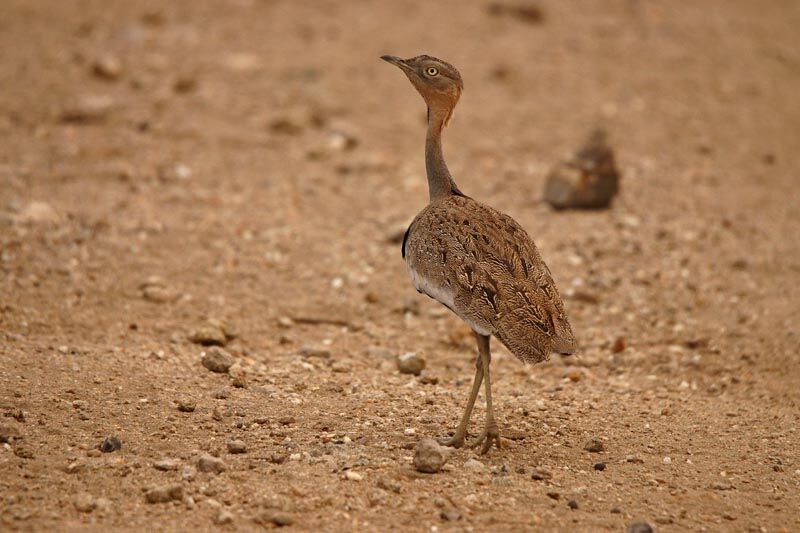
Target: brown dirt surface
251	162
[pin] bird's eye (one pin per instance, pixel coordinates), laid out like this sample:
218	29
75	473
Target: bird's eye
431	71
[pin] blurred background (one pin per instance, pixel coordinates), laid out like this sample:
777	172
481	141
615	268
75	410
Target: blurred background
240	173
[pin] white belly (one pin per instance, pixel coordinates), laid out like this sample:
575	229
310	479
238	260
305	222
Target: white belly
443	294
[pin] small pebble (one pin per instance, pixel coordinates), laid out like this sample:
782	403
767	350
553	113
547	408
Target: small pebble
84	502
554	495
474	464
429	456
599	466
186	406
237	446
450	514
353	476
110	444
594	445
640	527
572	504
167	465
164	494
411	363
211	464
217	360
223	517
540	474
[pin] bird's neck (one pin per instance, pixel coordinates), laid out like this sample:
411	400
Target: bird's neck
440	182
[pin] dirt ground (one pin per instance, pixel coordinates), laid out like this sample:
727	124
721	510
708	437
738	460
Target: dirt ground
252	162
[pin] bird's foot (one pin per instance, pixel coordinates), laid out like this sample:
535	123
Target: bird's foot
489	436
456	441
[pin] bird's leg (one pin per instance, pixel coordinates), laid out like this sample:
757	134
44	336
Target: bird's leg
490	432
457	440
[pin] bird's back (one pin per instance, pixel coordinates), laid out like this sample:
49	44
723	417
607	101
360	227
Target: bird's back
483	266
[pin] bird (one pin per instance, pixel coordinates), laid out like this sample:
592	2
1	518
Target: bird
477	261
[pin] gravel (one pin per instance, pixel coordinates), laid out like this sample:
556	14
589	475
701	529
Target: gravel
429	457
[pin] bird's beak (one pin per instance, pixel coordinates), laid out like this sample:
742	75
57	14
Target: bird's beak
396	61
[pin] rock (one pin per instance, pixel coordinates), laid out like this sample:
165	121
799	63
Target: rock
186	405
429	457
594	445
640	527
212	333
223	517
154	289
524	12
589	179
474	464
217	360
573	504
179	172
88	109
450	514
554	495
237	446
84	502
353	476
210	464
167	464
314	351
107	67
276	518
411	363
8	434
541	474
722	485
164	493
38	213
619	345
185	83
102	504
599	466
278	458
243	62
110	444
342	141
389	484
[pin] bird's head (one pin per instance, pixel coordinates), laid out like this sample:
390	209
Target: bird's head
437	81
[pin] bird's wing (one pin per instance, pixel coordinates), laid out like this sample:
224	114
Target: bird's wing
484	266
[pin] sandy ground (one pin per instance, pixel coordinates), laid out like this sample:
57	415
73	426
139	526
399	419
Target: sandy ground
252	162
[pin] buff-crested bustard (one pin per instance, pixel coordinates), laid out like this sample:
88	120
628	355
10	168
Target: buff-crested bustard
475	260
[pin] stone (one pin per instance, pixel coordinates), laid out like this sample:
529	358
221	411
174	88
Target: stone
223	517
91	108
411	363
314	351
217	360
212	333
38	213
155	289
167	465
210	464
389	484
450	514
353	476
164	493
8	434
641	527
541	474
110	444
594	445
589	179
107	67
186	406
273	518
474	464
429	456
84	502
237	446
